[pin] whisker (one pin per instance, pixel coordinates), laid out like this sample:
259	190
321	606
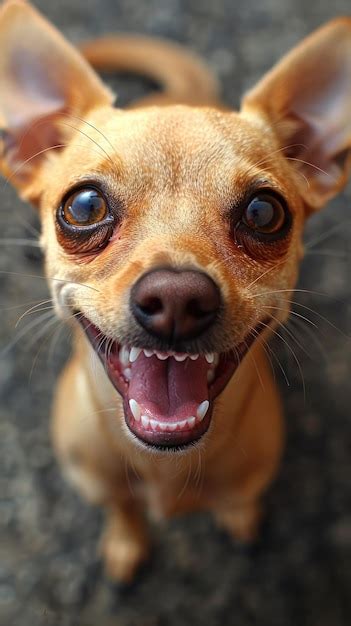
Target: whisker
47	278
295	290
20	242
24	331
278	308
18	306
324	319
95	128
270	269
328	253
283	326
17	169
326	234
318	169
35	232
79	130
253	360
275	332
33	309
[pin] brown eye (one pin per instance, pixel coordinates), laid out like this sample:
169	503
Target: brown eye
265	214
85	208
84	221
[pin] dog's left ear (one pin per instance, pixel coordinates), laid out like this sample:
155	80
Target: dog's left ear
306	98
42	79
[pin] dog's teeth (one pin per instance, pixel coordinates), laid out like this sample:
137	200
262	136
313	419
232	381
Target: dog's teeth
124	356
209	357
127	373
148	353
154	425
210	376
202	409
172	427
191	421
135	409
194	357
180	357
163	426
216	359
181	425
134	353
145	421
162	355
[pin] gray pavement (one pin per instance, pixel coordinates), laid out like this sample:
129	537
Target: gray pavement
299	572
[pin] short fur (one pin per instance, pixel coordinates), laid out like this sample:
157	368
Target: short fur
178	161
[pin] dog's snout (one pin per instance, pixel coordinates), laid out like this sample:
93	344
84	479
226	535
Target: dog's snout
173	304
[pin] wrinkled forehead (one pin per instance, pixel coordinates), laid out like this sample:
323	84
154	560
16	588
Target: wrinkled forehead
171	147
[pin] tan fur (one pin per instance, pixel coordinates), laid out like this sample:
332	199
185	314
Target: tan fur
177	170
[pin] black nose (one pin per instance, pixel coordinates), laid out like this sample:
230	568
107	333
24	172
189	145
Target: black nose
173	304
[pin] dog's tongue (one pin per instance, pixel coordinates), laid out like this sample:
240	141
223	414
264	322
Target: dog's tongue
168	389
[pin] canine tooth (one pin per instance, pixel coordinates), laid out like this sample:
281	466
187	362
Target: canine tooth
135	409
194	357
147	352
127	373
209	357
202	409
191	421
124	356
210	376
154	424
134	353
216	359
180	357
162	356
145	421
182	424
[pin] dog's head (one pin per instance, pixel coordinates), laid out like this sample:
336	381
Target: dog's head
173	234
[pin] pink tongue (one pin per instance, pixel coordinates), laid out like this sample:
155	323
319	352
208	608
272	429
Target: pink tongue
168	389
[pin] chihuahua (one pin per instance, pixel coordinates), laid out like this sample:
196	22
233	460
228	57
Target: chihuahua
172	234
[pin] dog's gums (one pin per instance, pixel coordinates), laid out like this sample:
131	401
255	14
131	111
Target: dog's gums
167	396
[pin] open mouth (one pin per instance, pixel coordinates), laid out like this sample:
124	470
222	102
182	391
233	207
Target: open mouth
167	396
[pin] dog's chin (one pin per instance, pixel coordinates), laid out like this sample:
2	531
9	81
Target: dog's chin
168	397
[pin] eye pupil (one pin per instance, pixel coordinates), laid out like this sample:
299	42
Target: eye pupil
264	214
84	208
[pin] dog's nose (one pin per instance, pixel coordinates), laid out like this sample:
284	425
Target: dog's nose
173	304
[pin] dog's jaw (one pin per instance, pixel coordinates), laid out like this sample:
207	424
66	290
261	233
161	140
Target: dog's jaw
167	396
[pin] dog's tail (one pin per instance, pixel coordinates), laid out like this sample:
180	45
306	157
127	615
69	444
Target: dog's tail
182	76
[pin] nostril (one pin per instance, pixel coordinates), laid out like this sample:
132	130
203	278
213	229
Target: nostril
151	306
196	309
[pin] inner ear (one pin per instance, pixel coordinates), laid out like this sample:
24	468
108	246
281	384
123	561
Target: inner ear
306	99
42	79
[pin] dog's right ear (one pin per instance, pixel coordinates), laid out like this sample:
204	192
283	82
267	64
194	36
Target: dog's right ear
42	79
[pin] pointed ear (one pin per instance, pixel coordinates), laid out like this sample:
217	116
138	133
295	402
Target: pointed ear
42	77
306	98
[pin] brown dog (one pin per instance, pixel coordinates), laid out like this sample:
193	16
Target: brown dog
172	238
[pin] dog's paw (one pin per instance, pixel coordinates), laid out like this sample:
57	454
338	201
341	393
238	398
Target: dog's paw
122	556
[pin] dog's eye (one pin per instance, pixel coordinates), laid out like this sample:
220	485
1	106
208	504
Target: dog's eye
84	208
265	214
84	221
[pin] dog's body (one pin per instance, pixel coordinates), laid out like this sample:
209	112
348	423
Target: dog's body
185	244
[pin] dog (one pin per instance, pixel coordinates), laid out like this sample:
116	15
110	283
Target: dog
172	234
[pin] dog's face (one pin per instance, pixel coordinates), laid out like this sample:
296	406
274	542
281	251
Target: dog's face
173	235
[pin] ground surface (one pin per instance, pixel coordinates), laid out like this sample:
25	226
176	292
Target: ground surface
299	574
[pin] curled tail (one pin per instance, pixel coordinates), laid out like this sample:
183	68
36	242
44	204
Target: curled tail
183	76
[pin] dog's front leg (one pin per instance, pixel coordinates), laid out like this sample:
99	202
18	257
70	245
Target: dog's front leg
98	471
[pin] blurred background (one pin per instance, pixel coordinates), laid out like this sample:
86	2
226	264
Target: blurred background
299	572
